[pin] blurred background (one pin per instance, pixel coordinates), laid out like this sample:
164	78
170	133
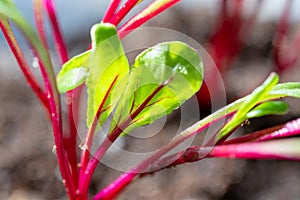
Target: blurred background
246	40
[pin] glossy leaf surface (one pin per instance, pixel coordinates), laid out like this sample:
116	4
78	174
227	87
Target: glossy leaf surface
108	70
161	79
268	108
251	100
73	72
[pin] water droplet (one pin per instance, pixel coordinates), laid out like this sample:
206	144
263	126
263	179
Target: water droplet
64	181
83	147
54	149
77	192
35	62
246	123
49	96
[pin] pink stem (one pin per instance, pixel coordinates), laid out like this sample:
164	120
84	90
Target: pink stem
251	150
111	10
148	13
60	44
92	164
70	142
117	18
53	103
110	139
56	118
16	50
256	151
113	189
253	136
38	16
289	129
242	147
88	143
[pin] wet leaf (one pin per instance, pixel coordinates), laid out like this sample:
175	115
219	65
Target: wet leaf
108	70
73	72
161	79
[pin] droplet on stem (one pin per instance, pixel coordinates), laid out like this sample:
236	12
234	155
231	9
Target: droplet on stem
54	149
35	62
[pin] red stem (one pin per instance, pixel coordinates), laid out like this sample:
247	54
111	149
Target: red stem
250	151
110	139
117	18
16	50
111	10
145	15
235	149
88	142
71	140
289	129
238	151
53	103
92	164
60	44
113	189
56	118
39	21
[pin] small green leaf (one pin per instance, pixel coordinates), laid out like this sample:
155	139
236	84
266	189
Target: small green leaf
108	74
73	72
161	79
291	89
269	108
252	100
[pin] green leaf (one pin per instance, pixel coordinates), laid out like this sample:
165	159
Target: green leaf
108	72
251	100
161	79
73	72
269	108
291	89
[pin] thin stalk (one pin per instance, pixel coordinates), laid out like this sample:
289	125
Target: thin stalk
10	11
117	18
236	147
145	15
71	140
120	183
111	10
288	129
286	149
39	21
56	118
92	164
110	139
253	136
59	42
90	134
249	150
16	50
112	190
